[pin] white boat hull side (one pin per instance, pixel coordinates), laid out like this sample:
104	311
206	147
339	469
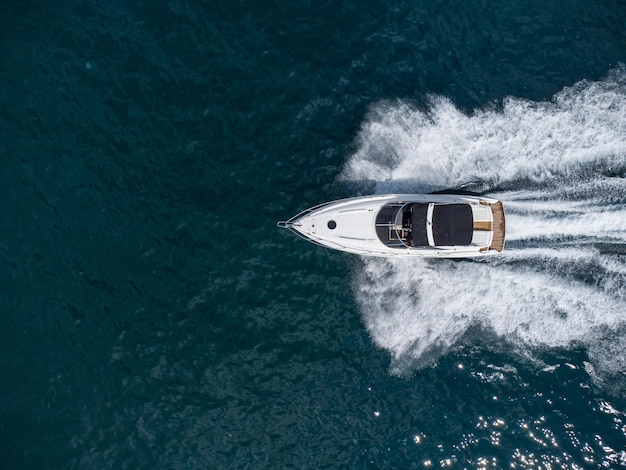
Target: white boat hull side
350	225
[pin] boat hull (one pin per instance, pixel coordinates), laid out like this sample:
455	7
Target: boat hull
358	225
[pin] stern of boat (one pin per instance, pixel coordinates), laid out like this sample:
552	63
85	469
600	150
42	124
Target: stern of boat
498	226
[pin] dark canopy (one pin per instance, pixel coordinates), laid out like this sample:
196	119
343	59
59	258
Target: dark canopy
418	222
452	224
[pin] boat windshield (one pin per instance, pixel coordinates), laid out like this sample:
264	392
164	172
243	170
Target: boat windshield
415	224
403	225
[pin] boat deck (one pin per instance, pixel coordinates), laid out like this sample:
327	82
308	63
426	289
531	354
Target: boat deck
498	226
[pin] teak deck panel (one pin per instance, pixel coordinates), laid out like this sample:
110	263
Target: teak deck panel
498	226
482	226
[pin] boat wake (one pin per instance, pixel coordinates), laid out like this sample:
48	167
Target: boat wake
559	167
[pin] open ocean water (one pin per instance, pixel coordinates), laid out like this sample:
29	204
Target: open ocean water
153	316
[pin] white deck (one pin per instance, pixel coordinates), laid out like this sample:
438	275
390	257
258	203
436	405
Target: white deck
354	227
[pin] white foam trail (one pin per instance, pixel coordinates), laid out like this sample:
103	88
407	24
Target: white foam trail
595	223
598	190
552	286
583	125
418	310
546	214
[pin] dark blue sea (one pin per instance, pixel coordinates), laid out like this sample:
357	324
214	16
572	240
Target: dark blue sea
152	315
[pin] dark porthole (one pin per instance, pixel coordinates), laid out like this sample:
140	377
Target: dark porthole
332	224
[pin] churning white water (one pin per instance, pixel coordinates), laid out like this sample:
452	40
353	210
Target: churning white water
559	167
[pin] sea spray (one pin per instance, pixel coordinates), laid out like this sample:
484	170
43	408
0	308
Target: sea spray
559	167
582	128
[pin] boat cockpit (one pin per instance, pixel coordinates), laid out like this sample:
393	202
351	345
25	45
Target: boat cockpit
415	224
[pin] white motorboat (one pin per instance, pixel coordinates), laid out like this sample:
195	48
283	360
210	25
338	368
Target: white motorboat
405	225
